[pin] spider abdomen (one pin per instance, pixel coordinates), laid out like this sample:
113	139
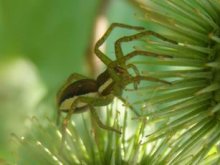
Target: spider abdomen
69	96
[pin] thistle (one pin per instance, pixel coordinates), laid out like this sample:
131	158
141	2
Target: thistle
189	109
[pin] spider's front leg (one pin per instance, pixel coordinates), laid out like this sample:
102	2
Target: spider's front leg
118	44
125	102
137	73
122	59
106	60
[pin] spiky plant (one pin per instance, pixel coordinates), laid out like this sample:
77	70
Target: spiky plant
180	122
90	145
189	108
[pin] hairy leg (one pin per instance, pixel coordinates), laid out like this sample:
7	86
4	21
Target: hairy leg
106	60
99	122
90	102
121	59
147	78
118	47
128	105
136	71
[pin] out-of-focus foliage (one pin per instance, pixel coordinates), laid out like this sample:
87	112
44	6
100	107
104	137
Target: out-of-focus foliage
41	43
53	34
85	145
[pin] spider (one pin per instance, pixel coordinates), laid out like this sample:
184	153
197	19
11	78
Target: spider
80	93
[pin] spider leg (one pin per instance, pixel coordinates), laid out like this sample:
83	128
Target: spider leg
121	58
64	126
99	101
136	79
136	71
146	78
118	47
128	105
99	122
143	53
106	60
73	108
90	102
134	67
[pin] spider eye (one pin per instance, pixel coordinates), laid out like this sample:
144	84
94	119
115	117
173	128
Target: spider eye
119	70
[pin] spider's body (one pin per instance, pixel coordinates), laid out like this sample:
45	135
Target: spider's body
81	93
103	86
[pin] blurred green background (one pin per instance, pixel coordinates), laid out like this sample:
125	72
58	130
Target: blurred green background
41	43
